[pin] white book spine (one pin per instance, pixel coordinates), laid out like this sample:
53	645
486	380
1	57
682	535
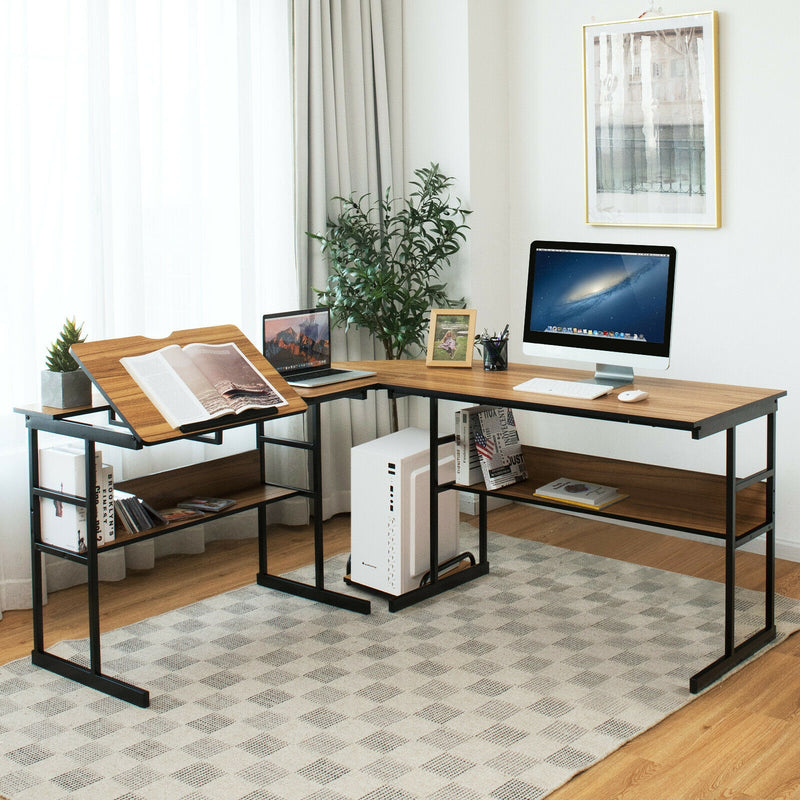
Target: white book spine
462	448
106	510
79	451
468	464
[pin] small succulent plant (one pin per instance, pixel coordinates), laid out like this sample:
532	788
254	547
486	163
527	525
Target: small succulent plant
58	356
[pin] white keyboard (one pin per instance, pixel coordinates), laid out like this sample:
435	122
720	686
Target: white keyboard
574	389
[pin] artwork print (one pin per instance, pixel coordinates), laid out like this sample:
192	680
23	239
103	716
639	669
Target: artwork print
651	133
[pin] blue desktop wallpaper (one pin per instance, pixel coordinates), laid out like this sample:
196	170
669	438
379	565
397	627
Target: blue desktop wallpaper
605	292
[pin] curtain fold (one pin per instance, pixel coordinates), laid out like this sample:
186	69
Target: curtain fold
348	138
146	160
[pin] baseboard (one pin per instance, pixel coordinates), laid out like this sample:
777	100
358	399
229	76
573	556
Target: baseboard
788	551
468	503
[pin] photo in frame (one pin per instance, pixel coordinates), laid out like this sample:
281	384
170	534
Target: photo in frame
451	337
651	121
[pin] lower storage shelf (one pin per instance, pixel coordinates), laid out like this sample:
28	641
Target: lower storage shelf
237	477
666	497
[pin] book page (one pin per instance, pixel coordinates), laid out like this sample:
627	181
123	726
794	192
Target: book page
212	401
234	376
157	375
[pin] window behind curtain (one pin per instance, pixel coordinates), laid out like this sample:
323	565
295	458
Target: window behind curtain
145	184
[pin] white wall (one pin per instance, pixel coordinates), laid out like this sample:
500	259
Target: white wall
735	309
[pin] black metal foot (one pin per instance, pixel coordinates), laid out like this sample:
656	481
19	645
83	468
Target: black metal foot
346	601
94	680
723	665
441	585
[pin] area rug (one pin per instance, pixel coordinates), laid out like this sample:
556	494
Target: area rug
500	689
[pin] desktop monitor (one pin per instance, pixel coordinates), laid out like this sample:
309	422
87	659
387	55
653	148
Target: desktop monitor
605	303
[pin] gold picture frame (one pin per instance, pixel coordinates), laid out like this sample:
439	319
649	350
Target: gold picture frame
451	337
651	121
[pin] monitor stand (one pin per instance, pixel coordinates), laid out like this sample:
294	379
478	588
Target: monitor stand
612	375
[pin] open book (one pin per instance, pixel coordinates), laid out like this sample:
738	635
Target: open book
199	382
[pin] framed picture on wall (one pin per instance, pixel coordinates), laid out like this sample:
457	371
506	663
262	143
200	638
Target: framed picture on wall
651	121
451	337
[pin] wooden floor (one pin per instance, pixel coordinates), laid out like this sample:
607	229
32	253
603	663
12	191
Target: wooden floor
740	740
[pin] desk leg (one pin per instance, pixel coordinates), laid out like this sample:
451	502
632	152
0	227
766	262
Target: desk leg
436	583
433	486
735	654
36	555
317	592
483	534
93	676
315	413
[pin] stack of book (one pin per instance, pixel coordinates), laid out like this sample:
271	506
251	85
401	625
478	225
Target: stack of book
492	436
135	514
468	462
579	493
209	505
62	469
138	515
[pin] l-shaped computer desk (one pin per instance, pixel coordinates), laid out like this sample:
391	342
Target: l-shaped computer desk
722	506
735	510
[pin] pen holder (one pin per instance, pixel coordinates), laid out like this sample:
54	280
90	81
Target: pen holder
495	353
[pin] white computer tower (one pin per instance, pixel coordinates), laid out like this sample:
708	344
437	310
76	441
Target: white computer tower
389	530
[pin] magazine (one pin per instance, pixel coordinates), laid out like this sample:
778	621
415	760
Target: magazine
468	463
579	493
199	382
209	504
170	515
500	452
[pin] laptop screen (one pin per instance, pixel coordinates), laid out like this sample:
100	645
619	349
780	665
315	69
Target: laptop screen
296	341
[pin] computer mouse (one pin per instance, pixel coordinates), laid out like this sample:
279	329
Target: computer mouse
632	396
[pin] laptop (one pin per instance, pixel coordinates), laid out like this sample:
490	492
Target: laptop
298	345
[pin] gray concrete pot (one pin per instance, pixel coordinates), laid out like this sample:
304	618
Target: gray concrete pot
66	389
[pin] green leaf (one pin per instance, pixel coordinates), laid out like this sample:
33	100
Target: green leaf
58	356
385	258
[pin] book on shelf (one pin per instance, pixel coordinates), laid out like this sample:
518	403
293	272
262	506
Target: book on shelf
580	493
62	469
106	510
206	504
468	462
499	449
200	382
170	515
135	514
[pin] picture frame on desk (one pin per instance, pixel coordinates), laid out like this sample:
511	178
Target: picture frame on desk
450	337
651	121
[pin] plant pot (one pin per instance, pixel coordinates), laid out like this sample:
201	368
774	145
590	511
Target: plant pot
66	389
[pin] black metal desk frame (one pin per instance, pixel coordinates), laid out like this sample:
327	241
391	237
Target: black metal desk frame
69	424
733	653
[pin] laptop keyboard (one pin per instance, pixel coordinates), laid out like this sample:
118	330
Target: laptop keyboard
322	373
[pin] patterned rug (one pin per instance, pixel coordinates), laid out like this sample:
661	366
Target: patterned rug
503	688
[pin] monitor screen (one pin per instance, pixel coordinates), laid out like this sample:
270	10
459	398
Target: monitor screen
607	303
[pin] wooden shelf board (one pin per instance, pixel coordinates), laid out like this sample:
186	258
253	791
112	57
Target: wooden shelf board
660	496
236	477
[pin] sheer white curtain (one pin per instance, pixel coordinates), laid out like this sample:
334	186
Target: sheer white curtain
349	138
146	166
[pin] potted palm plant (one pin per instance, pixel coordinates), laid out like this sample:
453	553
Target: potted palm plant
386	258
64	383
